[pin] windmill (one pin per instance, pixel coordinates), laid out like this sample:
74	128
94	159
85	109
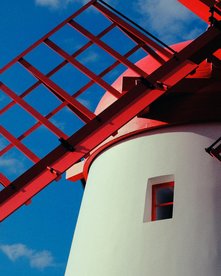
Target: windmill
162	109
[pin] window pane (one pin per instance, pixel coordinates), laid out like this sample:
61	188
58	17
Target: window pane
164	212
164	195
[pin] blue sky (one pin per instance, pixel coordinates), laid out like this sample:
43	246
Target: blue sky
36	239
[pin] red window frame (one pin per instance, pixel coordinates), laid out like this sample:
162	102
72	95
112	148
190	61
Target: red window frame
155	205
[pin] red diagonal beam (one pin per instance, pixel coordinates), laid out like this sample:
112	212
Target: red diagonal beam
19	145
108	49
32	111
114	18
202	8
80	110
82	68
4	180
109	121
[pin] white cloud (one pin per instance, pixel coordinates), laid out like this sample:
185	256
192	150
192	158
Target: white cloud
41	260
2	98
77	1
15	251
12	165
59	124
37	259
48	3
192	34
2	143
89	57
85	102
168	19
55	4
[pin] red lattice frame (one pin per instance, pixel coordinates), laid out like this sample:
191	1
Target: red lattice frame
96	128
80	110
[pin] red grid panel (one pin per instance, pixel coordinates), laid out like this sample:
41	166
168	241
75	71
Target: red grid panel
97	128
64	97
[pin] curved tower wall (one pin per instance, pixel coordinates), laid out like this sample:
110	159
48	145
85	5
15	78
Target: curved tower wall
113	235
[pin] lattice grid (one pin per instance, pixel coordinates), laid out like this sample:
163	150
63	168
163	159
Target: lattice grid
52	88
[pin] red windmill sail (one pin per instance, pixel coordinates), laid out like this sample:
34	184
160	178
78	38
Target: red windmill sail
173	67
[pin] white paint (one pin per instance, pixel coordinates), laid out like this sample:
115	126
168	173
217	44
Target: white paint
111	238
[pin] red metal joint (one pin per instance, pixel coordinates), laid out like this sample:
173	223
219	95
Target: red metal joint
56	172
66	145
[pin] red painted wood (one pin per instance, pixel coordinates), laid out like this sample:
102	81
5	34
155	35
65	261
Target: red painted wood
201	8
4	180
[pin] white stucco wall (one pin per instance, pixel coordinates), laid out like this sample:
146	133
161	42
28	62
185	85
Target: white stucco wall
111	238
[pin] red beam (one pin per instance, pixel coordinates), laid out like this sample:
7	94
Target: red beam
4	180
201	8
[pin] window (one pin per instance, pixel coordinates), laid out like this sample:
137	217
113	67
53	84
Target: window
162	201
159	198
